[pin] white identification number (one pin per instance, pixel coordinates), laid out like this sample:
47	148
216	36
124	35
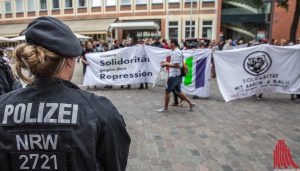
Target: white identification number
30	162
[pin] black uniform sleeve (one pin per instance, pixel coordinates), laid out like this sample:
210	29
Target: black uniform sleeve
113	140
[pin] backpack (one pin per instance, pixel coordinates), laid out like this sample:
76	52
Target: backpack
6	77
183	68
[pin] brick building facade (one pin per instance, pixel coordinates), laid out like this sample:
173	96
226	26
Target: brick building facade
282	22
172	17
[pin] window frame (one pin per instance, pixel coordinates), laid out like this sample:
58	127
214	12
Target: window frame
86	4
46	2
172	27
207	26
125	4
4	7
93	6
65	5
16	4
162	1
106	5
190	25
53	5
174	2
145	3
29	10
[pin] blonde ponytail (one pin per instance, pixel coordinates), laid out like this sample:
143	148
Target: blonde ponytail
37	60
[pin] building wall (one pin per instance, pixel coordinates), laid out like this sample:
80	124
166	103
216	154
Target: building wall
202	11
282	22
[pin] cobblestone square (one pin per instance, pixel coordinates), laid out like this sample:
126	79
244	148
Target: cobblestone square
218	136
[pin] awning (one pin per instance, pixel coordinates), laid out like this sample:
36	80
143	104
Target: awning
11	30
22	38
149	25
77	26
90	26
3	39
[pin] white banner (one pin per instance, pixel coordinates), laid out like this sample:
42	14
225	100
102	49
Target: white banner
197	81
260	69
131	65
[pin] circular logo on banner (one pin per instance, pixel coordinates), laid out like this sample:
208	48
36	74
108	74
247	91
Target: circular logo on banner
257	63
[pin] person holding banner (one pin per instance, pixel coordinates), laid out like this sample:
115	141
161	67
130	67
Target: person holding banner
175	76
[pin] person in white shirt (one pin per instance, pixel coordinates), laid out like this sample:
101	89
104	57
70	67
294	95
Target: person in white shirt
175	78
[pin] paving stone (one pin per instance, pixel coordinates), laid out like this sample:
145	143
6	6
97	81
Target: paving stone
195	153
218	136
226	168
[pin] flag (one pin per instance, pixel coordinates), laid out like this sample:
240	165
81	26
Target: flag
197	80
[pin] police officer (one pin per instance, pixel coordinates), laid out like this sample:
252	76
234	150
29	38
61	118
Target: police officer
52	124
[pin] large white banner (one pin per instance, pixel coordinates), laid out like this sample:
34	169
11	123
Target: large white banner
197	81
260	69
131	65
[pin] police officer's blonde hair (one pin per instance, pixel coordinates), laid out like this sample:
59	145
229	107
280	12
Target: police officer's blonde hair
39	61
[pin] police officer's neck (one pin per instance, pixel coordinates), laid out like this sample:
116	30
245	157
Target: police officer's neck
67	70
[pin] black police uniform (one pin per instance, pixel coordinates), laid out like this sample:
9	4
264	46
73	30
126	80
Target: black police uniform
53	125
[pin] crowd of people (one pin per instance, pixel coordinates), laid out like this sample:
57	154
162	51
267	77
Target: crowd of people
101	46
94	46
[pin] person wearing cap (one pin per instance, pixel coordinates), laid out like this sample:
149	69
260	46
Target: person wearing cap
52	124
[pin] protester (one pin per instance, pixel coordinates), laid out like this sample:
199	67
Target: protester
228	45
165	44
261	41
116	45
6	80
87	131
97	47
157	44
201	44
221	45
88	49
175	79
296	97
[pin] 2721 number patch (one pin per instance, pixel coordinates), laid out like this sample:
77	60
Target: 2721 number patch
38	161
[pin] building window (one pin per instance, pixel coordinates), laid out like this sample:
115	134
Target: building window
207	29
96	3
110	2
7	7
141	2
19	6
157	1
31	5
68	3
125	2
187	1
81	3
208	0
173	1
43	4
55	4
173	30
190	29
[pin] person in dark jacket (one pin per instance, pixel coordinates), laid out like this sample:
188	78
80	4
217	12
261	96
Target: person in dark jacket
52	124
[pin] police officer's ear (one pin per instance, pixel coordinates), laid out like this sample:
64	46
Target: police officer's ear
70	62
